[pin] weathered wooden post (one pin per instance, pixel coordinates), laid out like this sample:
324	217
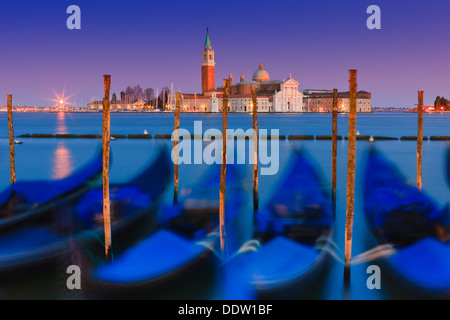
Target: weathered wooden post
350	175
12	153
223	167
255	152
175	145
334	148
419	140
106	136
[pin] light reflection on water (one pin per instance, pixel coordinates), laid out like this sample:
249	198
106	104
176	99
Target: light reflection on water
61	127
62	162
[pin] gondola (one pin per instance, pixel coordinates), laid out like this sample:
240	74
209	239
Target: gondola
80	226
187	242
400	215
284	257
26	200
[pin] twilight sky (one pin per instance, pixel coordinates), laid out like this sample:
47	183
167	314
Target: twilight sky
155	43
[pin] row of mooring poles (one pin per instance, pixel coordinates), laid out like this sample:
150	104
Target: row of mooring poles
350	164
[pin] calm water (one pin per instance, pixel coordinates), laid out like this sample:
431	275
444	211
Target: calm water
377	124
57	158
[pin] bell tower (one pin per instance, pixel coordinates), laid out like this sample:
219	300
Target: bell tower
208	74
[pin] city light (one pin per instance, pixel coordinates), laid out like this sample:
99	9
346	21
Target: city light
61	100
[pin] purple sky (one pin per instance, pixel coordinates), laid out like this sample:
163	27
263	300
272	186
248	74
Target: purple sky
155	43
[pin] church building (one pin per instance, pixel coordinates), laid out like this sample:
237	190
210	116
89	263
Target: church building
272	95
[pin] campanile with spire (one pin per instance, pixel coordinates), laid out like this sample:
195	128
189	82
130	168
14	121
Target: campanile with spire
208	73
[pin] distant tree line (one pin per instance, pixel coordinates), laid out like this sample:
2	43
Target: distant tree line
441	102
136	93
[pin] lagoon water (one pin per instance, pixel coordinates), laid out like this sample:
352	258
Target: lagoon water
56	158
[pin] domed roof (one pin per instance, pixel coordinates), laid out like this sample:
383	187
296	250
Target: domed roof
260	75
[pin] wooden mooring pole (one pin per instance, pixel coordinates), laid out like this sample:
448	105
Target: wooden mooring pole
106	136
223	168
334	149
255	152
175	146
419	140
350	175
12	153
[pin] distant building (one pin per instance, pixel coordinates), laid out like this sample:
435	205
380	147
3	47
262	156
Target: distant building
194	102
322	101
138	105
118	106
95	105
115	105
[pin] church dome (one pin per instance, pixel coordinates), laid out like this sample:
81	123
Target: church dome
260	75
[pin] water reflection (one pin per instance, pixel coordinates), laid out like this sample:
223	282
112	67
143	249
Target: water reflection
61	123
62	162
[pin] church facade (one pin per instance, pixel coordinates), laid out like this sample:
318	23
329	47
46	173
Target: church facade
272	95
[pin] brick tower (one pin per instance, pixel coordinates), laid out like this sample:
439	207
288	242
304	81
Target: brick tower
208	75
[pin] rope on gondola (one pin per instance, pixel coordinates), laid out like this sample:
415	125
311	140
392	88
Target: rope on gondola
250	245
210	243
322	244
378	252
